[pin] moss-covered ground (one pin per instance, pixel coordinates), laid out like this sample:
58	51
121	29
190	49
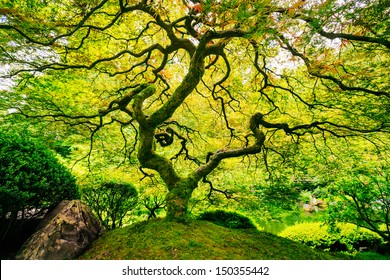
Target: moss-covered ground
196	240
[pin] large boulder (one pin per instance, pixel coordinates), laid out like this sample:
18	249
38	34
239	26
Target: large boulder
63	234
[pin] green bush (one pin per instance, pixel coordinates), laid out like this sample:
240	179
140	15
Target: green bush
31	177
227	219
343	237
111	201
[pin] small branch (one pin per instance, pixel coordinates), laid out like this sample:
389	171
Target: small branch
226	193
338	82
219	155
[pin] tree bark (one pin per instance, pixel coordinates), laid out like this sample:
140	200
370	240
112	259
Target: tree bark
177	200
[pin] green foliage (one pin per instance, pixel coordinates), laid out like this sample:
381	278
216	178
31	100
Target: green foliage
280	203
111	201
363	200
227	219
62	149
31	176
278	195
344	237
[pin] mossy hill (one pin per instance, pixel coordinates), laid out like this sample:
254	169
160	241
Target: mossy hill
197	240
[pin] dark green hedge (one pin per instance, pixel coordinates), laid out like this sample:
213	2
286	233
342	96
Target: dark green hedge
31	176
227	219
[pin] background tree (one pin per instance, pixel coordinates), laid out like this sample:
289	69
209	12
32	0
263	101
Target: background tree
363	199
269	77
153	204
111	201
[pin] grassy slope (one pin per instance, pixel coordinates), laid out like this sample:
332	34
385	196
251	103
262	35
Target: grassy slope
198	240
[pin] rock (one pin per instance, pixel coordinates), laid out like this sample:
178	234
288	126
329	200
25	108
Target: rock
321	204
314	205
63	234
308	208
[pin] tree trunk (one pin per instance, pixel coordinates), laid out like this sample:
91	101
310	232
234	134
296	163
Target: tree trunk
177	200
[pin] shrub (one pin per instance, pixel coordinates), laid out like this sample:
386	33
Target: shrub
344	237
227	219
31	177
111	201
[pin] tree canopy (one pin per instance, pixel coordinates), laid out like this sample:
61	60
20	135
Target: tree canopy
190	84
